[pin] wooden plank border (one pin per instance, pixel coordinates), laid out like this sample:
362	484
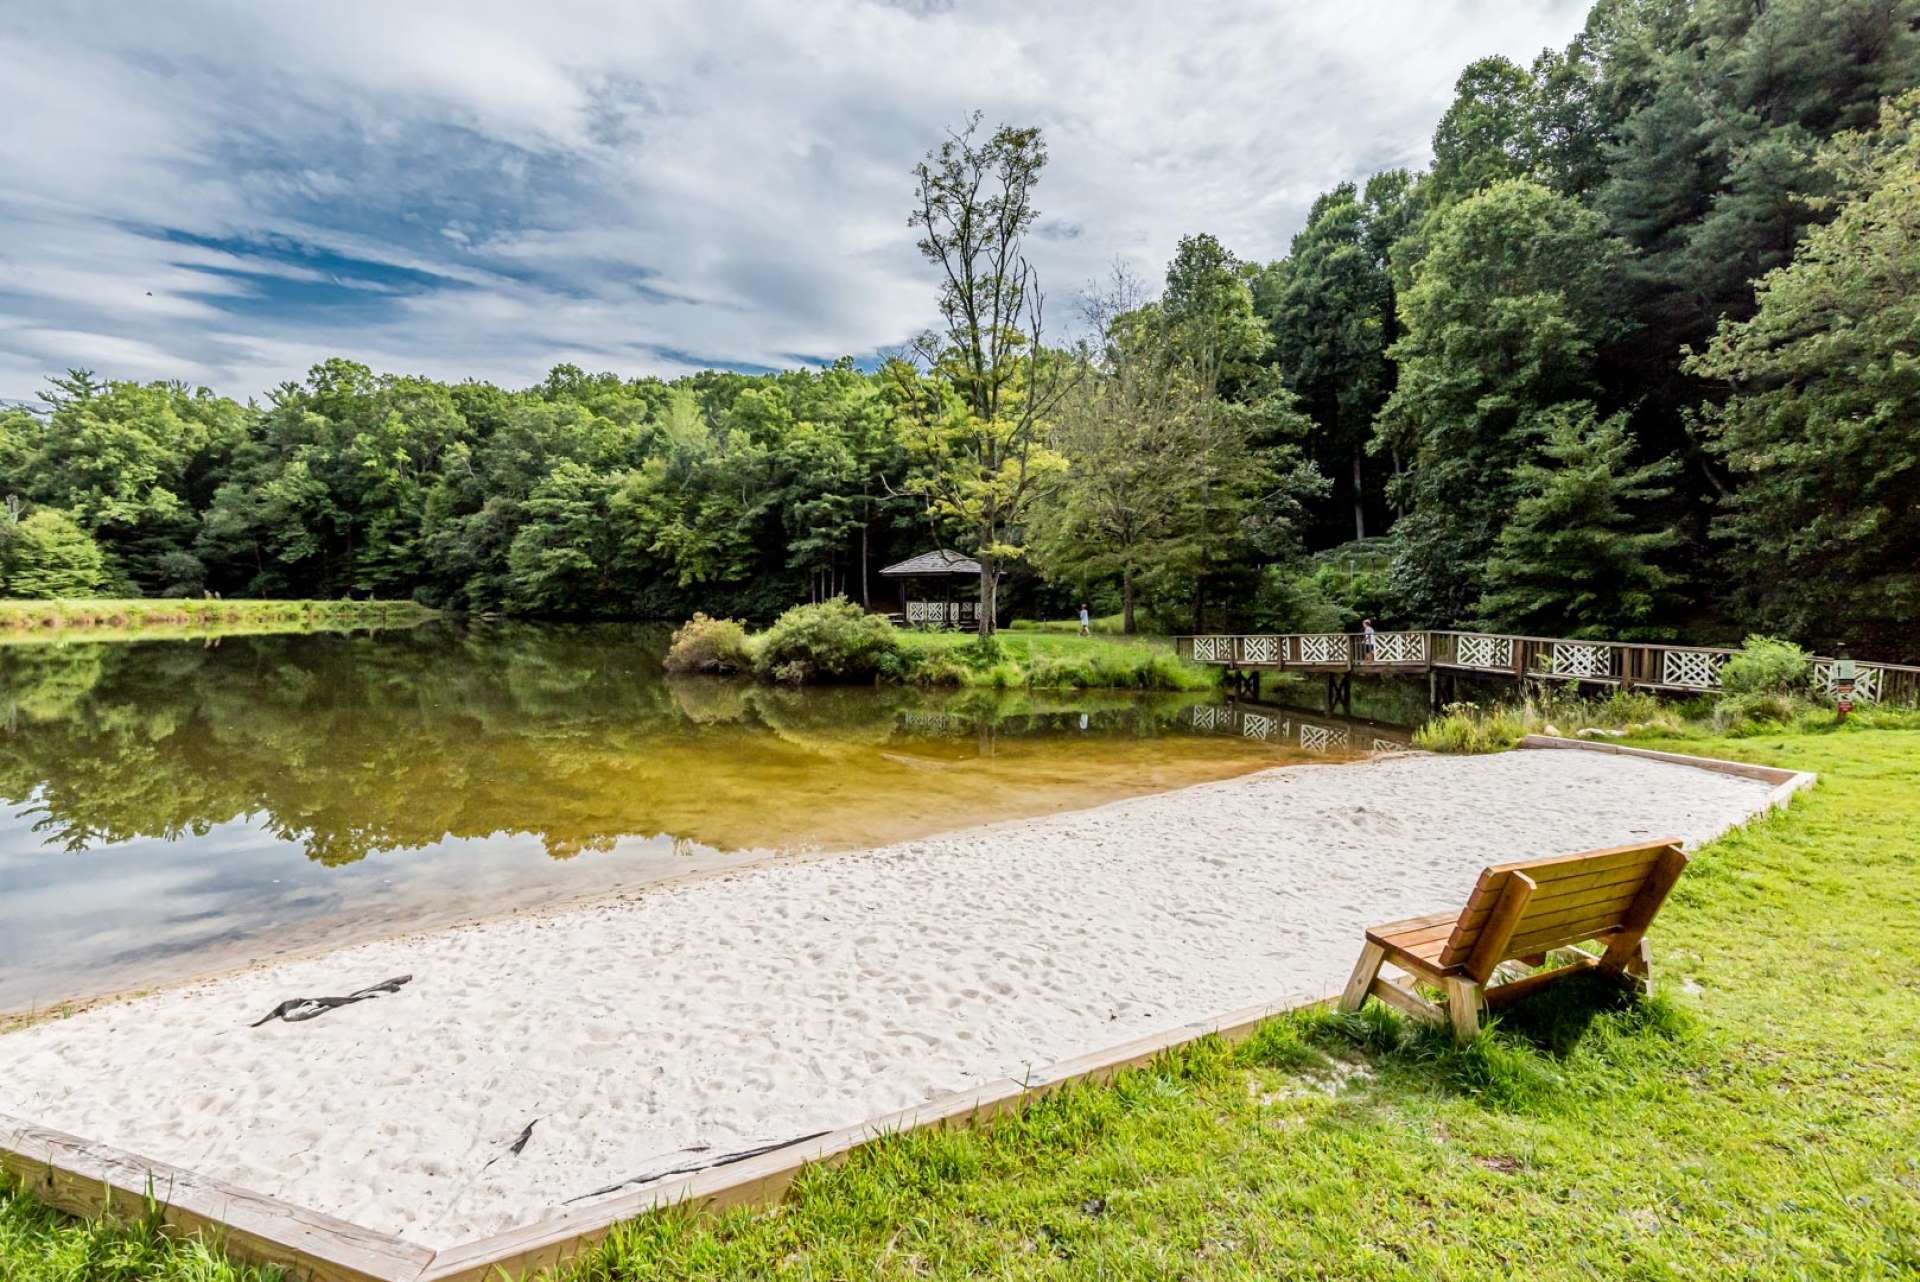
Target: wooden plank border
1785	782
765	1179
83	1178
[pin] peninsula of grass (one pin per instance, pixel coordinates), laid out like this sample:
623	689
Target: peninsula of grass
837	641
1759	1119
1047	661
162	618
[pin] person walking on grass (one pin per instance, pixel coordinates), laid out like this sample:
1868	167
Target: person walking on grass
1086	623
1366	639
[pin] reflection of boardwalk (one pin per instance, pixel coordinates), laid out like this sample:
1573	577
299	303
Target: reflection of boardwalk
1277	725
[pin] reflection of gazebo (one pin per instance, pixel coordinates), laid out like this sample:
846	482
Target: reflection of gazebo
938	569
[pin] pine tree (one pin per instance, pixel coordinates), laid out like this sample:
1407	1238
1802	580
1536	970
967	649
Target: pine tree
1823	528
1581	555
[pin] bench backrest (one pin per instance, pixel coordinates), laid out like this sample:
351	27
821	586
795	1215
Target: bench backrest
1520	909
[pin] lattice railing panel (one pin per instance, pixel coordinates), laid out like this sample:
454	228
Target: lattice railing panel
1400	647
1324	648
1866	681
1576	659
1259	649
1483	652
1693	669
1213	649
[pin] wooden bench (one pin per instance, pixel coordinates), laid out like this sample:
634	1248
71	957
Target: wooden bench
1522	912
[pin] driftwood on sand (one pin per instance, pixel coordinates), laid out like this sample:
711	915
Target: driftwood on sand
295	1009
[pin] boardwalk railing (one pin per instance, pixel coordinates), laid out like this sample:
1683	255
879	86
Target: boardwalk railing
1686	669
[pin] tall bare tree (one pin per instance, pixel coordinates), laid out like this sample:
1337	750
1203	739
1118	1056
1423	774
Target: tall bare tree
976	417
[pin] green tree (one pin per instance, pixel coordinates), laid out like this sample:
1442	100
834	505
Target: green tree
1582	554
1135	435
1330	306
975	421
1500	325
1822	529
46	554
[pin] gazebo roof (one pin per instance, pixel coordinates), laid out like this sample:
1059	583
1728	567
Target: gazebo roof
938	561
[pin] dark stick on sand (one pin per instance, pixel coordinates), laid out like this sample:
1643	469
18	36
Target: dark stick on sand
725	1159
295	1009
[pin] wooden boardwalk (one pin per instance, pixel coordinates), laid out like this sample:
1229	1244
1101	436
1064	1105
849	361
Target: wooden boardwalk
1624	665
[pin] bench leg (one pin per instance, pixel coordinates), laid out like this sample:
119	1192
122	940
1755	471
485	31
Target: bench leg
1365	971
1639	967
1463	1007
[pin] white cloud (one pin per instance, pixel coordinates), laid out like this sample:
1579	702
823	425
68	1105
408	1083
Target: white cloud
637	186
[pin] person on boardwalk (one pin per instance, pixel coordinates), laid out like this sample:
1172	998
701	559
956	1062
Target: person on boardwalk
1366	639
1086	623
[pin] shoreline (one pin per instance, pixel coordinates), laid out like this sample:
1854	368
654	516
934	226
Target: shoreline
320	936
754	1004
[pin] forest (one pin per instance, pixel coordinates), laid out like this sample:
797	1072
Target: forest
1638	355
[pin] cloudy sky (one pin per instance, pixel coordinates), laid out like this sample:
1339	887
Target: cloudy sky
225	191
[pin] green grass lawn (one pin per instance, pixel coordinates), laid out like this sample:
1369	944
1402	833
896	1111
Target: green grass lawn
1052	660
1760	1119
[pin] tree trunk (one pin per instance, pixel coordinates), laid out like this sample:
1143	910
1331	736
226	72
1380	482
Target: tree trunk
1359	496
1126	599
985	620
864	599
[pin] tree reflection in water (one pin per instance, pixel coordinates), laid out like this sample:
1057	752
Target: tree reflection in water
216	797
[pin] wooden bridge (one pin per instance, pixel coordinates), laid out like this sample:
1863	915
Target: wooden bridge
1624	665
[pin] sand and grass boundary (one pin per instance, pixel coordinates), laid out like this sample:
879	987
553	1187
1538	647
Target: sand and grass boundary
80	1177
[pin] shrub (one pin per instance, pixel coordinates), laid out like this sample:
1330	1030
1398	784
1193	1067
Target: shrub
1767	665
1742	712
830	641
713	647
1464	728
1763	683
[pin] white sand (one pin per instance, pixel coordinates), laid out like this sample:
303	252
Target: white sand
799	997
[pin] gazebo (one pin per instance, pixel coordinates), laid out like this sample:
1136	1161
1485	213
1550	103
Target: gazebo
936	574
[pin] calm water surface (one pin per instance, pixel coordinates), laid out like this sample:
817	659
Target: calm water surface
171	808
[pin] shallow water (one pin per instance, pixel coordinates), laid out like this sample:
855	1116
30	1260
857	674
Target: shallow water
168	809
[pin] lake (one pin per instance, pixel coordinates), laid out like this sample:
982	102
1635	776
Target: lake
173	808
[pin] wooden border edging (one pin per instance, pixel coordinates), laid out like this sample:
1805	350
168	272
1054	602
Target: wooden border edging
1785	782
82	1178
765	1179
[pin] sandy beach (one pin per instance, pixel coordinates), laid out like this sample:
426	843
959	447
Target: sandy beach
790	998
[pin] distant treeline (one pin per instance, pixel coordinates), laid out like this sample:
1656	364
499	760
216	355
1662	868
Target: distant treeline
1635	355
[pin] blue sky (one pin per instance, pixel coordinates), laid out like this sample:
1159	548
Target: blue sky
226	191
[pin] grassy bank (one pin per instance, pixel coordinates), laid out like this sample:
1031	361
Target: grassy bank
1495	727
839	642
1759	1120
1048	661
161	618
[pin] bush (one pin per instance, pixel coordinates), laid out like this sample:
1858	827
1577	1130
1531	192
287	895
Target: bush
712	647
1740	712
1767	665
832	641
1463	728
1764	684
